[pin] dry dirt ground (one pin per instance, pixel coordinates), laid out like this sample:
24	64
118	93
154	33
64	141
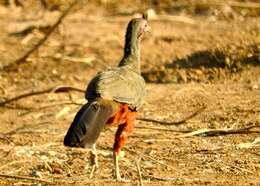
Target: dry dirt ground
208	57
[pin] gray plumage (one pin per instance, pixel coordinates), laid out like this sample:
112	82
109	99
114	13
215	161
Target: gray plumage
123	84
108	89
120	84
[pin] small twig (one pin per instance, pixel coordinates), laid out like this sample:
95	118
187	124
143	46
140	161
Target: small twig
172	122
139	171
14	162
3	137
28	110
217	132
92	171
60	88
16	107
160	178
46	163
205	133
239	168
23	58
255	143
157	140
32	109
163	129
25	178
64	88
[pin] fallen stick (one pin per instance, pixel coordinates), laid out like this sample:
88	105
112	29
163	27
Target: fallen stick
218	132
60	88
159	178
206	132
22	59
31	109
172	122
25	178
163	129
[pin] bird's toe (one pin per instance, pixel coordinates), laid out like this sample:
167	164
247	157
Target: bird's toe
120	179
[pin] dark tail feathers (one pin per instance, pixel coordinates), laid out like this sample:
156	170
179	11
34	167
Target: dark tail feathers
88	123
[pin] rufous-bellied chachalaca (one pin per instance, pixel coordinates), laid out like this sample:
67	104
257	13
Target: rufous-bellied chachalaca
114	97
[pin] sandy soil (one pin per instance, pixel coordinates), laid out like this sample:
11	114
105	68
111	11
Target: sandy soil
212	61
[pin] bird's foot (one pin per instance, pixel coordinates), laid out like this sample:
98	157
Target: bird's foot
93	169
120	179
94	161
94	157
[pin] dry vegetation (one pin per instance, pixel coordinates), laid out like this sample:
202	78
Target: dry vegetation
200	54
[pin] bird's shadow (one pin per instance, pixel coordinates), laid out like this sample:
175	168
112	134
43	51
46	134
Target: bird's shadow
219	59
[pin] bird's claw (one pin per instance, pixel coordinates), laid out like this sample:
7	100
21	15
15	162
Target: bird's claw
94	161
119	179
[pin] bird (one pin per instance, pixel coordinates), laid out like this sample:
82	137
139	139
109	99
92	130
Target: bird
114	96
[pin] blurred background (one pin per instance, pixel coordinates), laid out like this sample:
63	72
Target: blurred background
199	54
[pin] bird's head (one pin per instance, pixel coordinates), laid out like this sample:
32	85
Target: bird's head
137	27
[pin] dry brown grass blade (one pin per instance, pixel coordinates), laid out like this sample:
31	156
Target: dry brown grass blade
137	163
14	65
25	178
255	143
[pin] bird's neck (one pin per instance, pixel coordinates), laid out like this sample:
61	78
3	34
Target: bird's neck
131	57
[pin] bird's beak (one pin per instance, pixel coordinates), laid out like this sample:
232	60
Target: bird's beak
147	29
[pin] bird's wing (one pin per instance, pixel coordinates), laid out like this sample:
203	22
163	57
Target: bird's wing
119	84
88	123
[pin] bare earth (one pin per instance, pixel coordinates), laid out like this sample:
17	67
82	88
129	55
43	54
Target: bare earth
208	61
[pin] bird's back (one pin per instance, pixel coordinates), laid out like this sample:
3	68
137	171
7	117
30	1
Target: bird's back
120	84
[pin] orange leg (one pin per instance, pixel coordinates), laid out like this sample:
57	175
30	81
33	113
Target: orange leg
122	133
